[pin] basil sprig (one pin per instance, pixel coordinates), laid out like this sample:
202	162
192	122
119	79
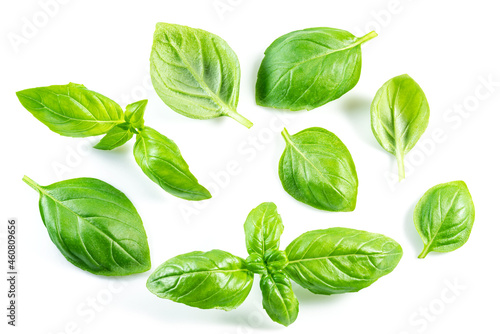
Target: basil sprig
74	111
335	260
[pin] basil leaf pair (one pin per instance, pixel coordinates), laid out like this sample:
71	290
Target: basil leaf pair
94	225
316	168
308	68
263	229
73	110
399	117
335	260
444	217
123	132
196	73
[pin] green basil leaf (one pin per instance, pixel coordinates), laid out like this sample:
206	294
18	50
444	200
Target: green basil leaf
255	263
263	229
214	279
444	217
116	137
161	160
195	72
134	114
94	225
399	117
275	260
317	169
339	260
278	298
72	110
308	68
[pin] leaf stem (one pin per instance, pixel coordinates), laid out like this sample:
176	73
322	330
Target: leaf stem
286	135
240	119
31	183
425	251
401	165
367	37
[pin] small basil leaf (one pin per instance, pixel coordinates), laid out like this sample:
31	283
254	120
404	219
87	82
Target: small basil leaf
275	260
134	114
195	73
116	137
399	117
255	263
263	229
308	68
214	279
72	110
339	260
317	169
161	160
278	298
444	217
94	225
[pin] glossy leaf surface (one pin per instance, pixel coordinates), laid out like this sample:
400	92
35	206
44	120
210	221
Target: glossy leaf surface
308	68
339	260
444	217
115	137
214	279
263	228
94	225
316	168
134	114
161	160
278	298
72	110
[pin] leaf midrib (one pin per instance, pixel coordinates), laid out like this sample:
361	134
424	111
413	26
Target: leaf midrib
201	272
443	219
94	120
147	158
200	81
359	41
343	255
289	141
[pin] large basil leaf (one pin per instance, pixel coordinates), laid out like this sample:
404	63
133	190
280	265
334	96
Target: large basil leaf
116	137
317	169
263	229
214	279
161	160
195	72
72	110
278	298
444	217
399	117
94	225
339	260
307	68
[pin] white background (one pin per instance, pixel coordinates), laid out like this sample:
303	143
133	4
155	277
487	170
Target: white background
449	47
